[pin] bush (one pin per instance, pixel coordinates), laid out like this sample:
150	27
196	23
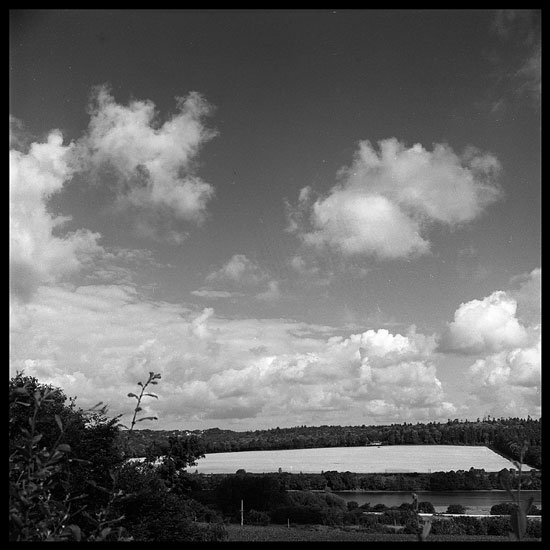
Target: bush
498	526
456	509
379	507
471	526
254	517
370	522
534	528
506	508
426	507
43	467
502	509
445	527
297	514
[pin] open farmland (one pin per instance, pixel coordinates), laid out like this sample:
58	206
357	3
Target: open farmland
384	459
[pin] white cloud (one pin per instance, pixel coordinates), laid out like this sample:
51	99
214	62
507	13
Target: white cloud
529	297
509	382
37	254
370	225
238	270
215	294
386	201
154	163
238	277
214	368
504	330
484	326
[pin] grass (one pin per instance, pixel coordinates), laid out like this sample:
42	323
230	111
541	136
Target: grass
387	458
255	533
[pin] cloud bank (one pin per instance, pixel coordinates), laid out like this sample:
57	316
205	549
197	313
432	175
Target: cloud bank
385	202
214	368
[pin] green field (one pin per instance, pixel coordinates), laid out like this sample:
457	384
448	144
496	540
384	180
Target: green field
383	459
320	533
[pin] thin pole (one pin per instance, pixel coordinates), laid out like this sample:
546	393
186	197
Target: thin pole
242	512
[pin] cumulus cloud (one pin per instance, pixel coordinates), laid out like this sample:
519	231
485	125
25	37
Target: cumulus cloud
154	164
486	325
509	382
387	200
154	169
504	331
214	368
37	253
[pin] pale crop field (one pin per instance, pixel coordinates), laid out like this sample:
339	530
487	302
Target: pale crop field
384	459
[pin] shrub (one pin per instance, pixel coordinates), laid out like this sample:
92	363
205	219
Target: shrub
446	527
255	517
369	522
297	513
471	526
534	528
456	509
43	503
379	507
426	507
502	509
498	526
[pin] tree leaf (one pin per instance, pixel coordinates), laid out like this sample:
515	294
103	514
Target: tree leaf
133	395
152	395
58	421
64	448
147	418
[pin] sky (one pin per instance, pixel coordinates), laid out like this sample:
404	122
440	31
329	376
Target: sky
296	217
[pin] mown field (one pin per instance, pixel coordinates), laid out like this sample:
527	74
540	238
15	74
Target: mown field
383	459
319	533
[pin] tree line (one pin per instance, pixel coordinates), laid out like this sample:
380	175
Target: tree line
504	435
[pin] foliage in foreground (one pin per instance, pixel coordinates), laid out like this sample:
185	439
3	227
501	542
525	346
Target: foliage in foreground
70	480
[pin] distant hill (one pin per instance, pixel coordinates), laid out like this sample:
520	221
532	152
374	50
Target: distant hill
504	435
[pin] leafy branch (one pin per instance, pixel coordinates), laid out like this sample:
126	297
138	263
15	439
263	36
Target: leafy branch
518	517
423	525
152	380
